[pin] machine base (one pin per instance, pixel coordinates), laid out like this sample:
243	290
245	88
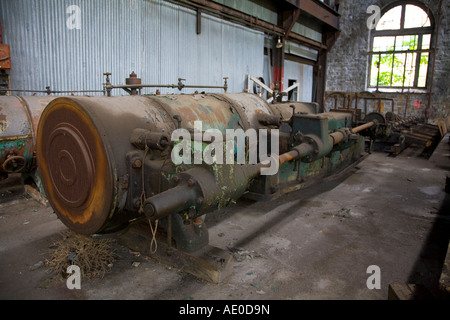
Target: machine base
210	263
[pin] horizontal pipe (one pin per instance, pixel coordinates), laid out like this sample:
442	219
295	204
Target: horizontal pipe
305	149
201	86
184	196
288	156
139	86
173	200
363	127
50	91
298	152
339	136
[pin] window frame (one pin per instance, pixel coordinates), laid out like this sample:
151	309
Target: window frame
420	32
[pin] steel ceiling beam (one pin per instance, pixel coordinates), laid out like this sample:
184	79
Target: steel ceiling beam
289	18
318	10
217	9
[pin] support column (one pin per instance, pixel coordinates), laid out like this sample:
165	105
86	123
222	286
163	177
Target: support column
278	67
287	18
328	40
321	78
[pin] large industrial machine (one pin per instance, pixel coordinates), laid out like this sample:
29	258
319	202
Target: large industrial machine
19	118
106	162
394	132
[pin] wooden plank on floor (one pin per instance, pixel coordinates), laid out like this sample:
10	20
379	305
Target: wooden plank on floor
409	292
36	195
210	263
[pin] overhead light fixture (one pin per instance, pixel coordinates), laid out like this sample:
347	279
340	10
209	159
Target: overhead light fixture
279	43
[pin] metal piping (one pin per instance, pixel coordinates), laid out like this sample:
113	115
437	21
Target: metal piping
192	192
108	86
305	149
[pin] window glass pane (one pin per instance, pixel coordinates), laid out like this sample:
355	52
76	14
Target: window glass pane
410	69
426	40
383	44
398	70
374	70
399	66
423	70
391	19
404	43
415	17
386	69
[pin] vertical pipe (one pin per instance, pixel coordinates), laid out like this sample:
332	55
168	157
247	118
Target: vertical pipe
199	21
278	67
436	39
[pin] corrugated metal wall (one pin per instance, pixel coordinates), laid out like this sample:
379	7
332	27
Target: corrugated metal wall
303	74
300	72
154	38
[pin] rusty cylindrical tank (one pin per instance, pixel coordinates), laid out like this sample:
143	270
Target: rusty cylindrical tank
83	143
19	118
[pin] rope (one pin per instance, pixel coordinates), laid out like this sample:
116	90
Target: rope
153	242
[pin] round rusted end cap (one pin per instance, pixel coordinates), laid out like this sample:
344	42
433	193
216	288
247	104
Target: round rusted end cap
74	166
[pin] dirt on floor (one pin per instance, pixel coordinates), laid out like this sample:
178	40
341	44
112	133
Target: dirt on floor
319	243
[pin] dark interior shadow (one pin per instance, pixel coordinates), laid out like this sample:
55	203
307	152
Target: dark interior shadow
429	264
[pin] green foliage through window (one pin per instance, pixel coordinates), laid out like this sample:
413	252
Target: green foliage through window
399	58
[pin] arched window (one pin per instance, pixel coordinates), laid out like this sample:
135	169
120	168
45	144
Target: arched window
401	47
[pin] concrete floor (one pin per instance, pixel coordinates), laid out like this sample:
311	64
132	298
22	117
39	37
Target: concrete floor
391	212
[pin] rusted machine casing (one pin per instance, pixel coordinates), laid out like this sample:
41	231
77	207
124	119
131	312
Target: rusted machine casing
105	162
19	118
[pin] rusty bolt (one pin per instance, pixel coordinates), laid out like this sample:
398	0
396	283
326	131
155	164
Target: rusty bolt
137	163
176	179
199	201
191	182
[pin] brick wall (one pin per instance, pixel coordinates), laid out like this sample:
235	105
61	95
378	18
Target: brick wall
347	64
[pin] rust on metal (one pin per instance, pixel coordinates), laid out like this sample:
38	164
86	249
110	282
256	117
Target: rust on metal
133	79
212	112
73	165
18	124
5	56
105	165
